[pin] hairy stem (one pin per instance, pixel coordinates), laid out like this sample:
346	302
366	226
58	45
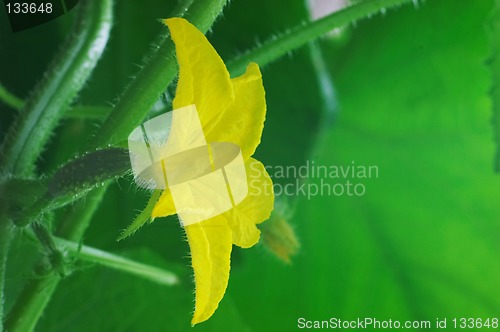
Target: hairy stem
130	111
28	309
56	249
84	112
54	255
65	77
294	38
153	79
116	262
37	293
5	237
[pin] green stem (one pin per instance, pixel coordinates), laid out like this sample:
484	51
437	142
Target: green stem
10	99
54	247
116	262
70	182
83	112
54	255
35	296
294	38
76	222
28	308
65	77
6	229
263	55
153	79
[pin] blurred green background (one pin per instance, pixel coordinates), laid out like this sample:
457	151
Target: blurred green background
412	96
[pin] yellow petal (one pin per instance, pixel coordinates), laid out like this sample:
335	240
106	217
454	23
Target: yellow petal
203	77
229	110
255	208
164	207
210	241
243	121
210	245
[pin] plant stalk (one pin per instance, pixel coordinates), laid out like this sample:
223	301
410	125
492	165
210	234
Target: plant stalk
6	229
297	37
153	80
118	263
35	296
63	80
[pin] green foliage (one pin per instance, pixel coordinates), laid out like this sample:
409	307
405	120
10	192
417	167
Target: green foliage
63	80
413	93
420	244
494	64
413	96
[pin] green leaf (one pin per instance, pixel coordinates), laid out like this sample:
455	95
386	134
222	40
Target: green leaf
414	101
494	27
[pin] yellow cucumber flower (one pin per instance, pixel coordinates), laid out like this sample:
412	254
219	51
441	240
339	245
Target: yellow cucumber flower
230	110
